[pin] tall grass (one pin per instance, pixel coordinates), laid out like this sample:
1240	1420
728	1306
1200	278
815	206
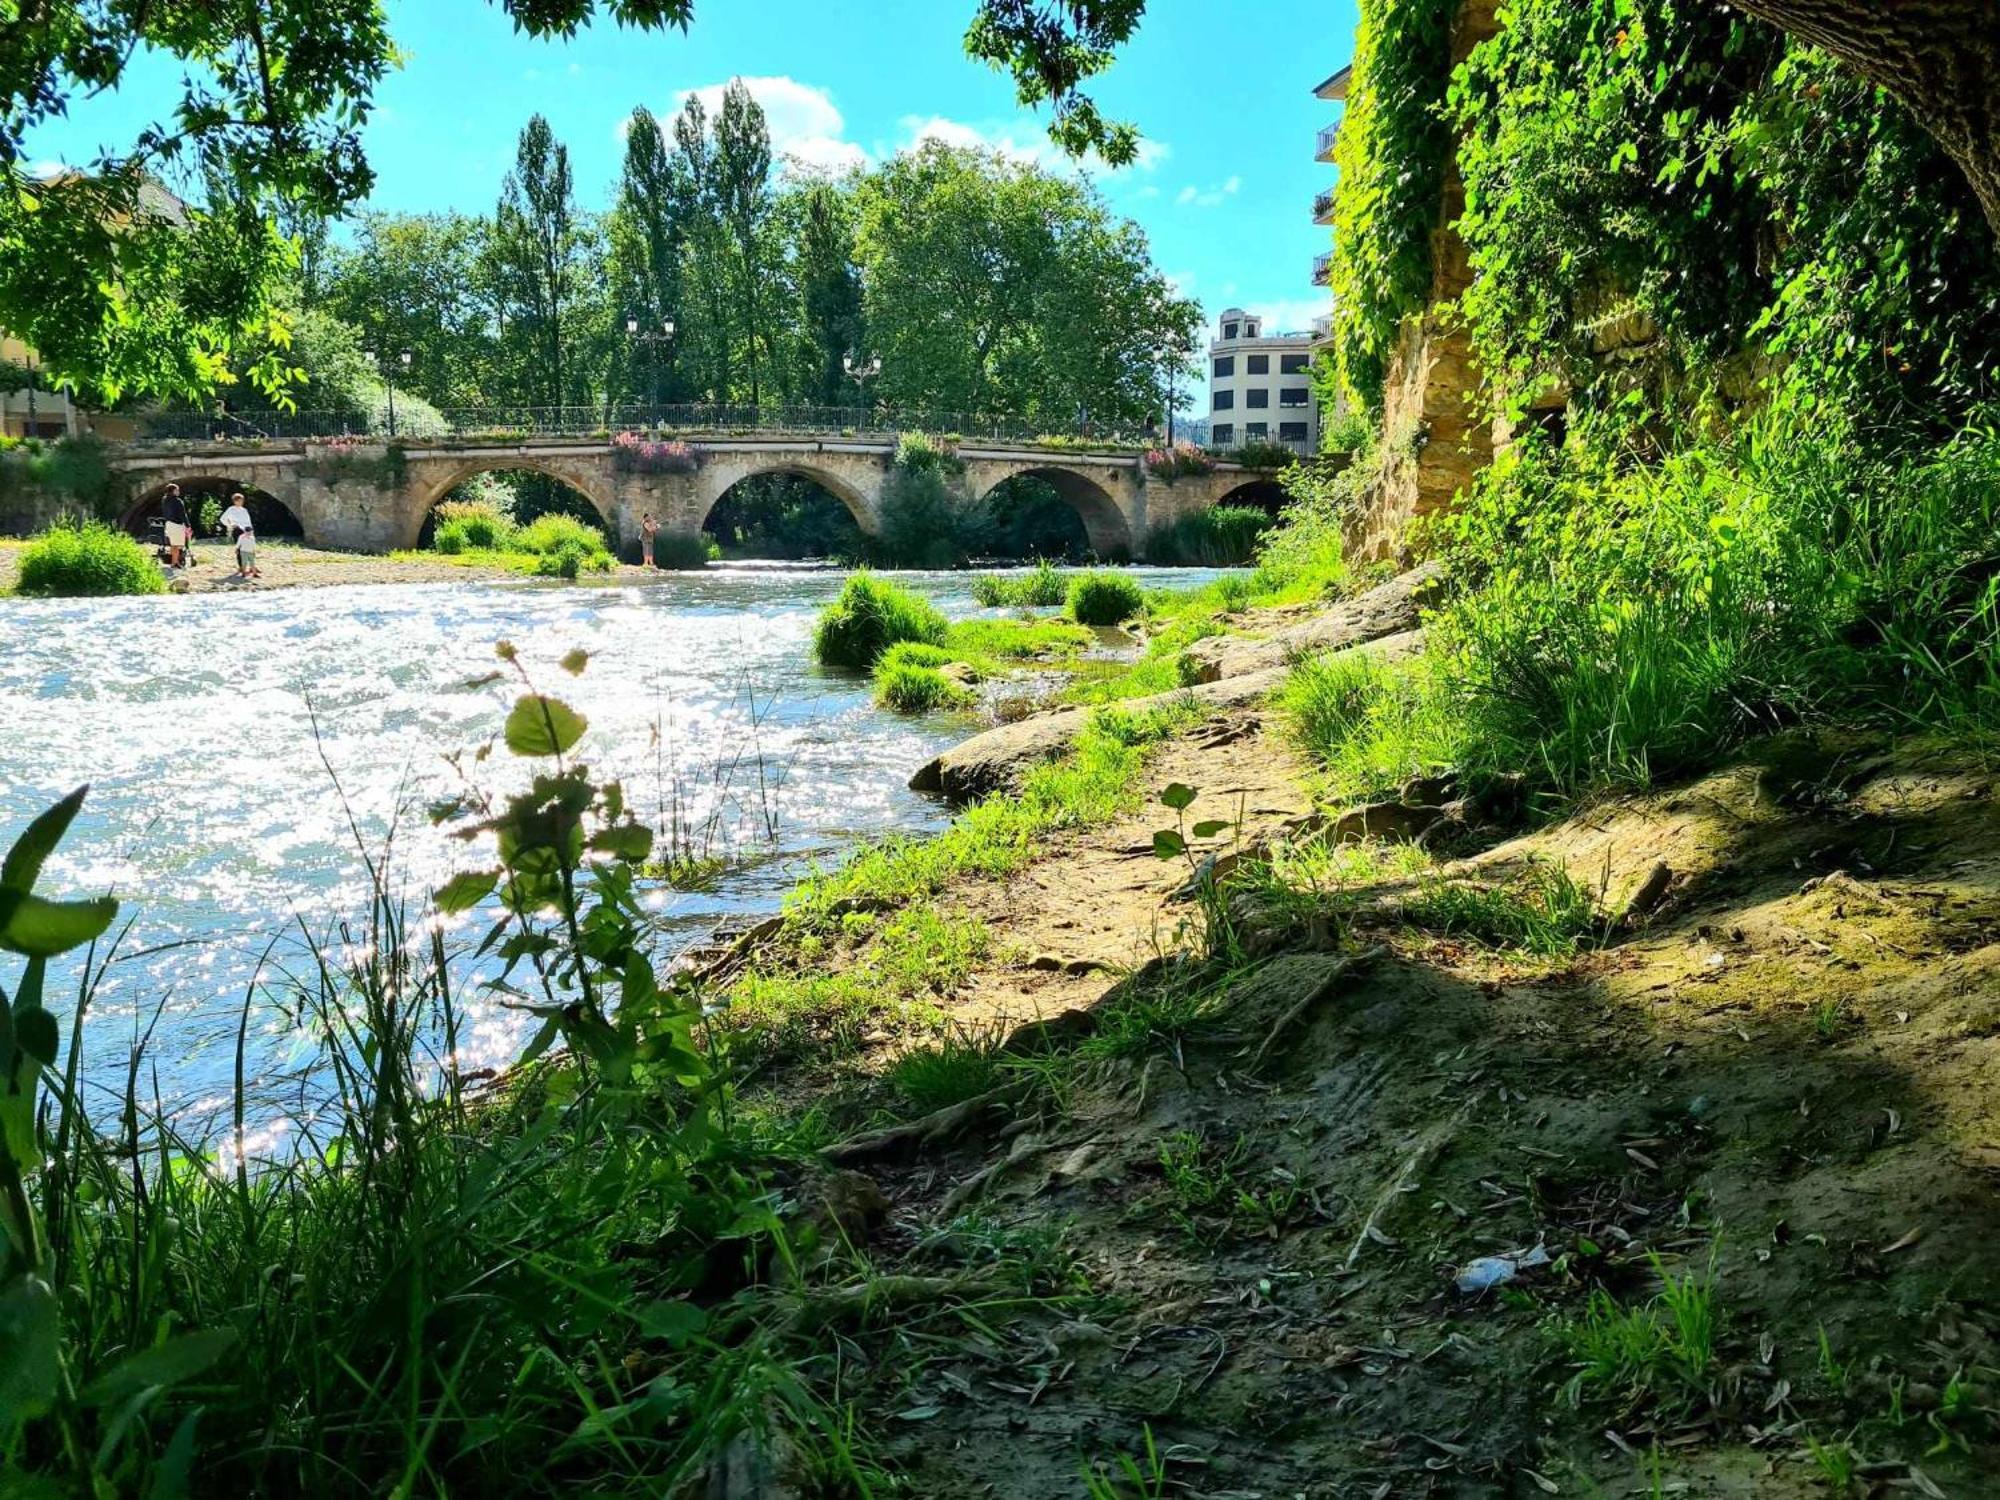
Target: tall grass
1617	621
1104	599
84	559
1224	537
415	1285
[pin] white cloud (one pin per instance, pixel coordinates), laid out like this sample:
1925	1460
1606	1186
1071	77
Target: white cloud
1192	196
1290	314
45	169
805	122
1023	139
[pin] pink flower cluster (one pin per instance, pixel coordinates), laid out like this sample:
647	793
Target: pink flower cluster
639	454
1182	458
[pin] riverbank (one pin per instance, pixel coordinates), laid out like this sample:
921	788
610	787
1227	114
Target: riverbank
288	566
1421	1150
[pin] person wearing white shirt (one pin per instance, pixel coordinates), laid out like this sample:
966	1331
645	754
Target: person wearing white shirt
236	522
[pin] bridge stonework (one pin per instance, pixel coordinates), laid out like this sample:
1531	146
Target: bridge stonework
372	498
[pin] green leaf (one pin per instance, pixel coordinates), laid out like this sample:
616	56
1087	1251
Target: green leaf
575	661
629	841
42	929
466	890
1178	796
36	1034
1211	828
38	840
30	1345
675	1322
543	726
167	1364
1169	845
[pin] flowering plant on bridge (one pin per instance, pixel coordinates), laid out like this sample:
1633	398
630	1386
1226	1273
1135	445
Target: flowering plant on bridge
634	453
1183	458
352	456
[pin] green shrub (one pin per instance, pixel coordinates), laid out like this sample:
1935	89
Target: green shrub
450	539
73	560
677	550
1225	537
1104	599
923	526
1044	587
869	617
550	533
1263	453
474	531
909	689
572	558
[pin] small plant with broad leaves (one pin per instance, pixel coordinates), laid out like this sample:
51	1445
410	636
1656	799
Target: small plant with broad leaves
1176	843
569	930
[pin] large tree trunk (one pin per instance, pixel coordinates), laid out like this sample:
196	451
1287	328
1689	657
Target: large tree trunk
1941	58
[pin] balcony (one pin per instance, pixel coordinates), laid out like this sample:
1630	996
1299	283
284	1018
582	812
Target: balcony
1323	206
1323	148
1322	268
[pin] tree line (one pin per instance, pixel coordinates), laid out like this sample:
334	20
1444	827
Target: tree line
986	286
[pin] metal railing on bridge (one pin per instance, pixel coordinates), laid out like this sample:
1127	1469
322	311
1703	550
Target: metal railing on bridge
504	423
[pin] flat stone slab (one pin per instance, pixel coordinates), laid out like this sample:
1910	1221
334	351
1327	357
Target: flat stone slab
1386	609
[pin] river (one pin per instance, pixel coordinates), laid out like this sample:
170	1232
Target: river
221	815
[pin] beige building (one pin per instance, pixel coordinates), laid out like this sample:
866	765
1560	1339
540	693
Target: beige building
1260	386
1334	90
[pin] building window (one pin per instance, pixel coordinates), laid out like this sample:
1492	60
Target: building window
1225	366
1260	397
1257	364
1228	331
1224	401
1250	329
1292	432
1222	434
1294	395
1256	430
1294	364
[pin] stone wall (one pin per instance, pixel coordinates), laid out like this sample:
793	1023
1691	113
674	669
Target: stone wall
1433	440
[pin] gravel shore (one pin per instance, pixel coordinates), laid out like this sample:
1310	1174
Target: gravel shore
289	567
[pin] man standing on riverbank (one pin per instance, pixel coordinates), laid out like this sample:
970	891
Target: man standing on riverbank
173	511
236	523
647	527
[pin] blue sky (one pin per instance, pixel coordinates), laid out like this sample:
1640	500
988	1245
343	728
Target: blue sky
1222	92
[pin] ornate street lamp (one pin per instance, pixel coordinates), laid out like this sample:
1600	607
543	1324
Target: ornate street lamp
861	372
664	336
388	374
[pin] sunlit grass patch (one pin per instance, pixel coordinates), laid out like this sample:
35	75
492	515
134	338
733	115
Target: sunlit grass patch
1539	910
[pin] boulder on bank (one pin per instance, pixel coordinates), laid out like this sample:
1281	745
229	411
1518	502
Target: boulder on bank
997	760
1386	609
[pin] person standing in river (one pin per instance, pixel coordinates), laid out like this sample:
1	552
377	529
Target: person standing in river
174	515
236	523
647	527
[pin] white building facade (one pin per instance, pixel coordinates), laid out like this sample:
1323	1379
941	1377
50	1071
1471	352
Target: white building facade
1260	386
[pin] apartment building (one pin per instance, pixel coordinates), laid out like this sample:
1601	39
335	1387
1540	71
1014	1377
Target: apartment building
1334	91
1260	386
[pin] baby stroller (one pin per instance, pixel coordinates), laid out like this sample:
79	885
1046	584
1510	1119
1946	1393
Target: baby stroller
156	536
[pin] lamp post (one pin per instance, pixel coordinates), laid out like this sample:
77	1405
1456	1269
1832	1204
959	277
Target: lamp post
388	374
664	336
861	372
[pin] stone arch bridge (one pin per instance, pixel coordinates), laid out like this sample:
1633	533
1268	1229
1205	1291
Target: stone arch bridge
372	497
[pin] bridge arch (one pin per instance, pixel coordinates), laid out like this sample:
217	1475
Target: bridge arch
271	516
1105	524
440	480
1258	492
717	480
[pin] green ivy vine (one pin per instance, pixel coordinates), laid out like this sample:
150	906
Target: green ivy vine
1392	151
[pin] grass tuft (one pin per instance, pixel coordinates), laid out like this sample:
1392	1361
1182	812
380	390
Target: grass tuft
869	617
86	560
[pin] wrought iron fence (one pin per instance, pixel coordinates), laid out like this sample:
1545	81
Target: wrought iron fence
508	422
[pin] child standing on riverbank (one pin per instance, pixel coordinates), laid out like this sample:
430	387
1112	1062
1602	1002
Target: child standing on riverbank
236	522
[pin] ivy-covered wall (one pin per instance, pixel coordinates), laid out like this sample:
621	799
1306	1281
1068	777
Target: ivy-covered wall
40	480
